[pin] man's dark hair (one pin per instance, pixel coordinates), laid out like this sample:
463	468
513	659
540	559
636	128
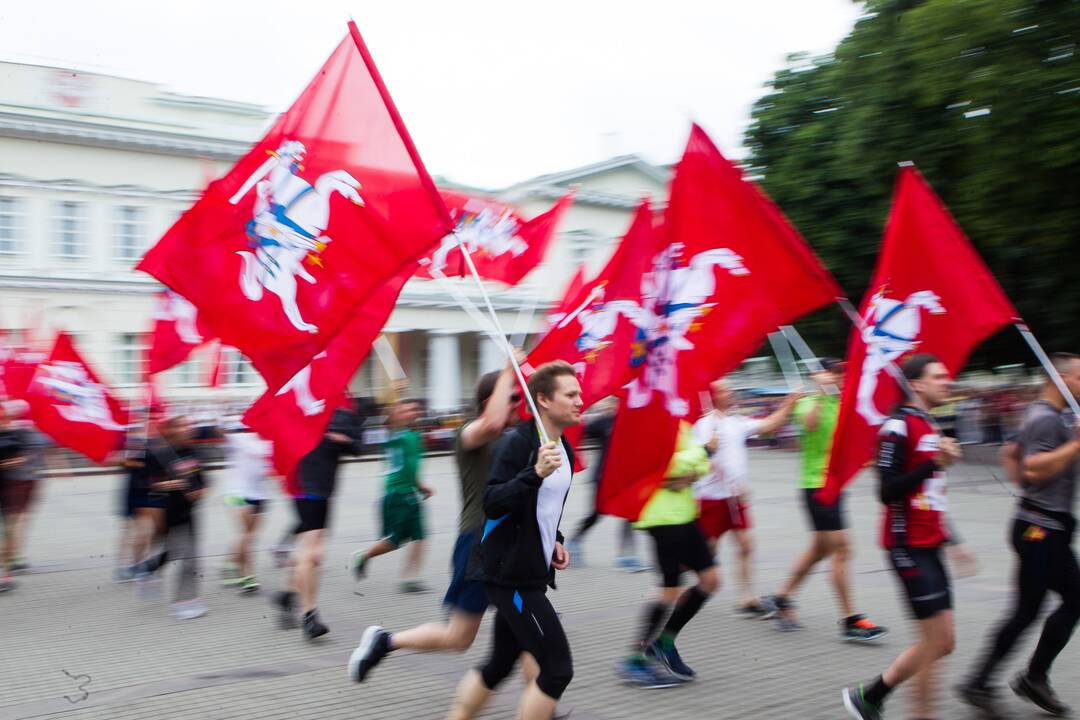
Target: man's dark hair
1062	360
915	366
545	379
484	387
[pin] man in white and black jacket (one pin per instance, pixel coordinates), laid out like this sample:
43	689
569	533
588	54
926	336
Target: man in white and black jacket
521	548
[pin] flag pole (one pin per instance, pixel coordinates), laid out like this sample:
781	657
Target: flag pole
807	355
502	336
467	305
1048	366
786	360
523	320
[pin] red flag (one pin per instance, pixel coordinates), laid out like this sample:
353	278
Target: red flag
69	404
330	204
17	366
295	416
732	269
503	246
573	289
178	329
931	293
599	330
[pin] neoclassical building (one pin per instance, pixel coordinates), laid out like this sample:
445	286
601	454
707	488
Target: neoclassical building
95	168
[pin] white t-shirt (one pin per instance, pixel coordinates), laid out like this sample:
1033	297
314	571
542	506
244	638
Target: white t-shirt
248	474
549	502
728	464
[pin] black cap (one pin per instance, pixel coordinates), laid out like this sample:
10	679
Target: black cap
831	364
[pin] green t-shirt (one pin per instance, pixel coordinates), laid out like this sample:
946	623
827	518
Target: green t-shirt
403	452
677	507
816	443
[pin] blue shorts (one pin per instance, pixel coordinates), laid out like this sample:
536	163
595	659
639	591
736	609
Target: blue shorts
465	595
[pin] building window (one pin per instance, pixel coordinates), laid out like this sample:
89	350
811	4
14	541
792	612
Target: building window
579	245
130	354
10	226
70	229
235	368
187	373
129	232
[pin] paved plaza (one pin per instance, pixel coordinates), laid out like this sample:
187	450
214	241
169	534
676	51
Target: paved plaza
77	646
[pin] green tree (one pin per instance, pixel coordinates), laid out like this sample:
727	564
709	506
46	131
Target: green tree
984	96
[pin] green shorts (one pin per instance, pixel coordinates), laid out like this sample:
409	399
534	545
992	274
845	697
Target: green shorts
402	518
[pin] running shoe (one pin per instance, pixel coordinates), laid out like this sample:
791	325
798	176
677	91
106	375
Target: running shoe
284	601
671	660
858	707
752	611
632	564
230	575
1040	693
124	574
374	646
248	585
645	674
983	698
18	565
785	621
414	586
189	609
359	564
6	583
312	627
859	628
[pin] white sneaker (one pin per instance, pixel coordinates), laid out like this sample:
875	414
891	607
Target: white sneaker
189	609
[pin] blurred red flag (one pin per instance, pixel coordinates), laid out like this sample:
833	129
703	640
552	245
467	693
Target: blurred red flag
69	404
332	203
599	330
295	416
503	246
569	294
930	293
215	376
178	329
17	366
730	271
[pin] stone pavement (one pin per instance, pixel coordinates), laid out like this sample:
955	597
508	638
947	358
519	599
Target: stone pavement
68	631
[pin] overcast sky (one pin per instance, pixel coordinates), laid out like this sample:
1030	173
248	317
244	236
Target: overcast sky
492	92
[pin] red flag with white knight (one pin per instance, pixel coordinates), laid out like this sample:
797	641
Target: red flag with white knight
731	269
332	203
930	293
178	329
72	406
503	246
599	328
295	416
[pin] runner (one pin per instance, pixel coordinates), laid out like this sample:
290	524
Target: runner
9	458
912	458
521	548
24	473
497	403
247	490
318	477
402	512
1047	450
816	417
723	493
670	516
599	429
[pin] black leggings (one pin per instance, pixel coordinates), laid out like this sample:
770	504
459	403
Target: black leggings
1047	562
526	622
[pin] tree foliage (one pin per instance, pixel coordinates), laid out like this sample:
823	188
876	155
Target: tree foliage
984	96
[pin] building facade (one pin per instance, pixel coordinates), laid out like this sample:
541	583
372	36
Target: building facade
95	169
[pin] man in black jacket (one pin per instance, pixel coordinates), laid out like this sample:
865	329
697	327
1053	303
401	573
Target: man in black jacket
521	547
318	478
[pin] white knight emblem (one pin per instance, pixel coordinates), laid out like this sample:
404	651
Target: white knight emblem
76	396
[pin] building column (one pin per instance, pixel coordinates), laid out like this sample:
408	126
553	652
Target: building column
491	356
444	371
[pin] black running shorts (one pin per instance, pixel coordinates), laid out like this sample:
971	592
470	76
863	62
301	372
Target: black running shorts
924	578
824	518
678	547
313	513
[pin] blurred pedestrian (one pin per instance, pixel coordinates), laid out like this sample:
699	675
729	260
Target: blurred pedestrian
247	490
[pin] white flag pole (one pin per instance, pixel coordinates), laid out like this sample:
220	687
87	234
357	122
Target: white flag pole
524	320
502	336
786	360
1051	371
807	355
389	359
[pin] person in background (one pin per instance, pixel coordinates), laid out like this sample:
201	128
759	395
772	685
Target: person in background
247	489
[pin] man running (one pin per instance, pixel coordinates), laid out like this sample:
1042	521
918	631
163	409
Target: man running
521	548
815	416
402	514
247	490
497	401
912	458
1048	446
670	517
318	477
723	493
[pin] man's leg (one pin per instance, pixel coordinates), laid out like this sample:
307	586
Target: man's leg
477	686
413	559
306	573
471	696
456	635
744	541
840	550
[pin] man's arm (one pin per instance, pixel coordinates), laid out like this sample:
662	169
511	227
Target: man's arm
779	416
490	424
1041	466
513	477
1009	456
896	483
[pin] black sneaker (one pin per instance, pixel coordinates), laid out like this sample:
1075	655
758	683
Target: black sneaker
1040	693
312	627
374	646
286	614
859	628
753	611
983	698
858	707
359	564
670	659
